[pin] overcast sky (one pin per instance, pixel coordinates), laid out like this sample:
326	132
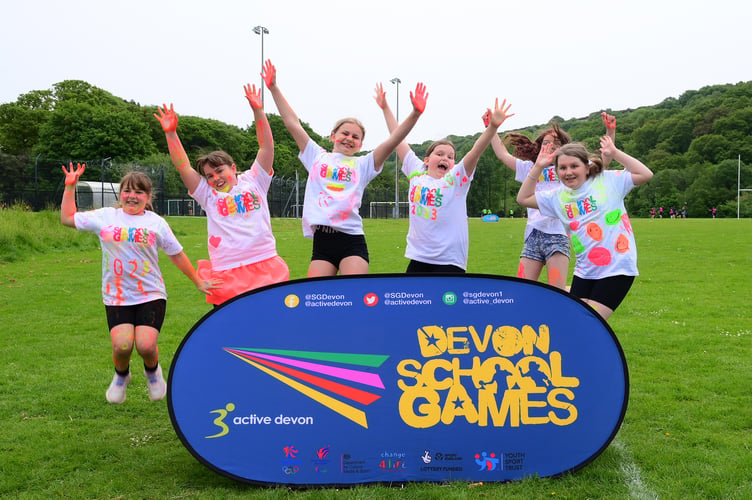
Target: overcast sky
548	58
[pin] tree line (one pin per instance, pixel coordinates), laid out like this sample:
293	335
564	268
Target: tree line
693	144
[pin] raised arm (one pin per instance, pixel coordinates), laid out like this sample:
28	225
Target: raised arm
68	205
289	118
640	173
391	122
183	263
526	195
265	156
383	150
610	122
169	121
498	145
499	116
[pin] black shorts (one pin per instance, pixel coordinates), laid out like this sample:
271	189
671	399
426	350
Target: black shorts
332	246
608	291
421	267
146	314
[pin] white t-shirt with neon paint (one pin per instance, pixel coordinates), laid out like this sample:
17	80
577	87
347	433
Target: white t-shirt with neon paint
334	190
547	181
438	214
130	247
597	222
238	223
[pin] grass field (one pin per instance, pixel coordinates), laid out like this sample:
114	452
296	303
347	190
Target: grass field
685	327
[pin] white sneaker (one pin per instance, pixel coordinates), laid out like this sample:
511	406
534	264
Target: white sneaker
156	384
116	392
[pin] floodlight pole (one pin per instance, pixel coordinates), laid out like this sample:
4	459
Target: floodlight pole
260	30
396	81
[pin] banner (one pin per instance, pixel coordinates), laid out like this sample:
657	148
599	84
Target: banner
384	378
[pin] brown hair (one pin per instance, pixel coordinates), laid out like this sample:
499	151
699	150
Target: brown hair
137	181
354	121
214	160
442	142
594	162
525	149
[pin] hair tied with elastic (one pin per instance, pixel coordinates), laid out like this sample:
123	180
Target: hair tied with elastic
590	162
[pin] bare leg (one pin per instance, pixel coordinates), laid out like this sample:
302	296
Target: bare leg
353	265
321	268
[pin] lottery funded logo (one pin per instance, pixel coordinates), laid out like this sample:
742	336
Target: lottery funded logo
439	461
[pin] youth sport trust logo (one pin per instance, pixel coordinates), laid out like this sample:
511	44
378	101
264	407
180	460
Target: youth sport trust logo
311	373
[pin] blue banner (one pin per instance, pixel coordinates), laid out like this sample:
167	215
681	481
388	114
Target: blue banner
385	378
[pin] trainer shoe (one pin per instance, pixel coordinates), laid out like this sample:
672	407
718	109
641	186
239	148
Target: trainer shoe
116	392
156	384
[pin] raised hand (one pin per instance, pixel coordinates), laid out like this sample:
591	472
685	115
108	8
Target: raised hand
71	176
269	74
419	98
608	120
167	118
546	155
380	96
500	113
608	149
254	96
486	117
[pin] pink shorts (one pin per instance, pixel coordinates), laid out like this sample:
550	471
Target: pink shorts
241	279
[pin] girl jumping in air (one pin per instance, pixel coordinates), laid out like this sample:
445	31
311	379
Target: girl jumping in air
242	249
437	240
336	182
590	204
134	293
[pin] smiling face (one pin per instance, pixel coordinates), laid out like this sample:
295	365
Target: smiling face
222	177
440	159
571	170
133	200
347	138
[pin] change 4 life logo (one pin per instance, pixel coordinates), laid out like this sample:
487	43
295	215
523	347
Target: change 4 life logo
319	376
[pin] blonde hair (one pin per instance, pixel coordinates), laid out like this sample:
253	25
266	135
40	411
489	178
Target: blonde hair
354	121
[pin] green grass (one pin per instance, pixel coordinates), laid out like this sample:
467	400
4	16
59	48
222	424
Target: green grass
686	330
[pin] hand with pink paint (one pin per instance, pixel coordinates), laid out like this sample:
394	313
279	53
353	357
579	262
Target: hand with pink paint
486	117
254	96
608	120
269	74
167	118
72	176
419	98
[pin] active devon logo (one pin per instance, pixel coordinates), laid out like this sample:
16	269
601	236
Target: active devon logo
311	373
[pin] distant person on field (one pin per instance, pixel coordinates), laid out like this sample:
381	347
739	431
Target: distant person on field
242	249
336	182
437	239
590	204
134	293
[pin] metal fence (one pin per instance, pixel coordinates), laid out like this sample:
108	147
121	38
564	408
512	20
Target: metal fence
285	199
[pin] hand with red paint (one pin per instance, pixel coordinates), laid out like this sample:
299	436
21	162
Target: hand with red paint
269	74
500	114
486	117
608	120
254	96
167	118
419	98
71	176
380	96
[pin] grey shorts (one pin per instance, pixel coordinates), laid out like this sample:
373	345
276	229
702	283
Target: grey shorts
542	246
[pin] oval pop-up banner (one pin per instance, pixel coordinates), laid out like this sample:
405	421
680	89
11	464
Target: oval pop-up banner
385	378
